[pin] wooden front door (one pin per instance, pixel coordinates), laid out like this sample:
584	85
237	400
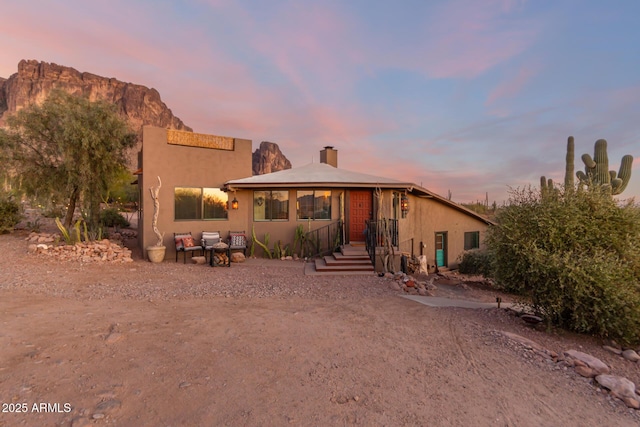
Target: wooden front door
360	210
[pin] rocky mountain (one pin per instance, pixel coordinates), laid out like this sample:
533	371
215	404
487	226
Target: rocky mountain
141	105
34	80
268	158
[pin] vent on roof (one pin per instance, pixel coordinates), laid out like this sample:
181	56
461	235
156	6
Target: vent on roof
329	156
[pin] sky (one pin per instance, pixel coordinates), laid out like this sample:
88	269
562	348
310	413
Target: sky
472	97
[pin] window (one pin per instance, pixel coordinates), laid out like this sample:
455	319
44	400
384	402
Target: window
270	205
471	240
396	205
200	203
314	204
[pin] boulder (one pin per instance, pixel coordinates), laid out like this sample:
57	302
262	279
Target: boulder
238	257
631	355
621	388
199	260
598	366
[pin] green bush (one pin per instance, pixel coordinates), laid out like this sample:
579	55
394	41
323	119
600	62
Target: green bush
576	256
476	261
111	217
9	214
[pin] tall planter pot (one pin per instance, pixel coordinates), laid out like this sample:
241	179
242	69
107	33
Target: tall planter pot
156	253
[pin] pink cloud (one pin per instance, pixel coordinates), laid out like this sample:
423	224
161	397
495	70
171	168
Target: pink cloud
465	38
511	87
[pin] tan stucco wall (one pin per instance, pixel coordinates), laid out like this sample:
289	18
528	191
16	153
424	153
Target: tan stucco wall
427	217
182	166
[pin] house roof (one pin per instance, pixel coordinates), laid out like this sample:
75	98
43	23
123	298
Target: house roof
314	175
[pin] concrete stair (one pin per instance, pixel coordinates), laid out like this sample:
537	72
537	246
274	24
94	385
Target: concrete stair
350	260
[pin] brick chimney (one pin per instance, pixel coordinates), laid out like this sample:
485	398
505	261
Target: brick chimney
329	156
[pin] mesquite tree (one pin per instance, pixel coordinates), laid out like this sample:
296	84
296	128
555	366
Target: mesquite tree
68	148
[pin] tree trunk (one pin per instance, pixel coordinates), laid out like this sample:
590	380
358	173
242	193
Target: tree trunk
68	219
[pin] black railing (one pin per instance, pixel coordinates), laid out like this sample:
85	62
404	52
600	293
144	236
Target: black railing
324	240
376	232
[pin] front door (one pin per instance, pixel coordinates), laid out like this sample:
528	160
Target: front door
360	210
441	249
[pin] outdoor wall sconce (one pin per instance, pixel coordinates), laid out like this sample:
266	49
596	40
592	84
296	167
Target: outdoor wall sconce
404	205
234	204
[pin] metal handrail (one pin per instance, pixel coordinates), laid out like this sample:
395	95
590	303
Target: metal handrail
375	236
324	240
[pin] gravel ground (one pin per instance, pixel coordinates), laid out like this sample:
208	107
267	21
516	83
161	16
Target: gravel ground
260	343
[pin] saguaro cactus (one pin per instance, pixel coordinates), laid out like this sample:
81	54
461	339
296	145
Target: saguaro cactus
568	174
597	170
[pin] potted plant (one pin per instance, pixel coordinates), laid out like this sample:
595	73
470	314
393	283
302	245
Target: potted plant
155	253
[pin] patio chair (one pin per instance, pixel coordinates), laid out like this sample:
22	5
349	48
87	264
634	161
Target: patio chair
185	243
238	241
210	238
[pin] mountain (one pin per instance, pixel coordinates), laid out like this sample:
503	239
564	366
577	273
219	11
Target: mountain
34	81
268	158
141	105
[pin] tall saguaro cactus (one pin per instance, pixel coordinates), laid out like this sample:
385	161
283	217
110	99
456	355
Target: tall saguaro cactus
568	173
597	170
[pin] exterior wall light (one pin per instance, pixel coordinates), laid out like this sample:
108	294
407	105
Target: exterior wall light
404	205
234	204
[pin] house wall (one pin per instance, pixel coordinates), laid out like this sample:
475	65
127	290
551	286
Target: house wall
426	217
284	231
188	166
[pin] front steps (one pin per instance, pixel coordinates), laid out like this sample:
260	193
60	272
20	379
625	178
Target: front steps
350	260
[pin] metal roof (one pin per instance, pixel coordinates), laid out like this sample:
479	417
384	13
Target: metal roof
324	175
314	175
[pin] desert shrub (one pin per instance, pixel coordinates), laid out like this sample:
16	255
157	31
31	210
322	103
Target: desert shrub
9	214
476	261
576	256
111	217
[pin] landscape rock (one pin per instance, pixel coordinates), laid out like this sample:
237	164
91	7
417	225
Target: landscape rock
238	257
631	355
585	371
598	366
199	260
95	251
621	388
612	349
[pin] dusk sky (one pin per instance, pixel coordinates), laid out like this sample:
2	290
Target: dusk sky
470	96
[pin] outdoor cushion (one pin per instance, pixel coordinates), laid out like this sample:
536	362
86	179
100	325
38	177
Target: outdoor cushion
209	238
238	240
188	242
179	244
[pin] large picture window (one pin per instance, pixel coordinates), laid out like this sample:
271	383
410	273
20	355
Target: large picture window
270	205
314	204
471	240
200	203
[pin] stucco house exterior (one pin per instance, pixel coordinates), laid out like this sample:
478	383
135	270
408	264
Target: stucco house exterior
202	174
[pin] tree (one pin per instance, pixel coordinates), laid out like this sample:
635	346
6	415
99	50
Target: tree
68	148
575	256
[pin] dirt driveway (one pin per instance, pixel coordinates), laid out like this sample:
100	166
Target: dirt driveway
260	344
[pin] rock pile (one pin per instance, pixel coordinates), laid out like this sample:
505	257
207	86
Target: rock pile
587	366
96	251
409	285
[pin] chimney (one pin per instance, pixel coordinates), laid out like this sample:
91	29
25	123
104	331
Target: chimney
329	156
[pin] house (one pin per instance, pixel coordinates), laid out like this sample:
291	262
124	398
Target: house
202	173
